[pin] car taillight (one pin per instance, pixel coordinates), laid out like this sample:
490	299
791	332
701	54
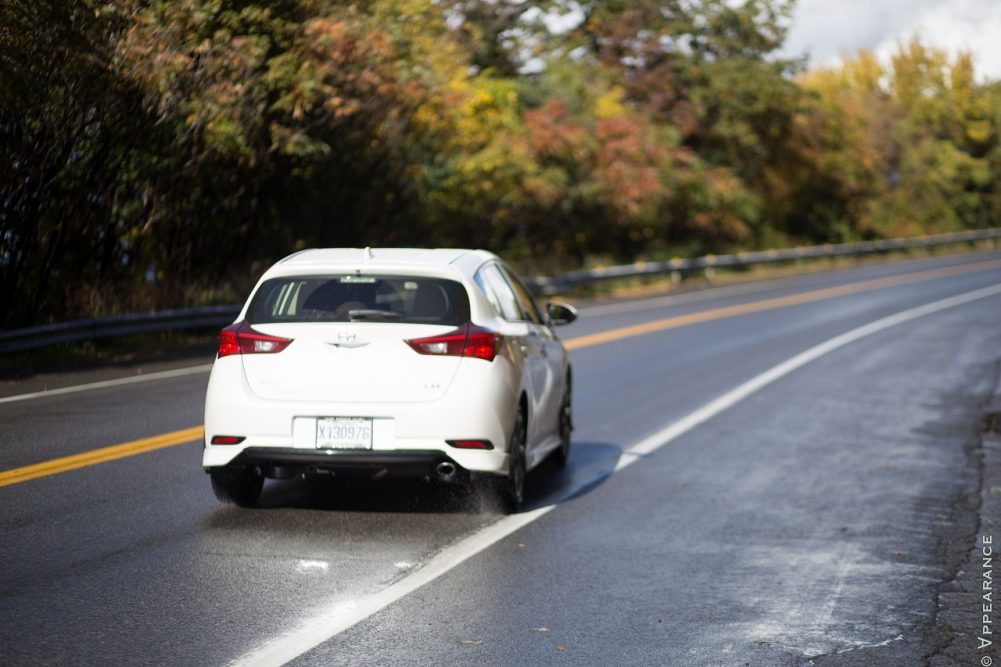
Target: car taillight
468	340
239	338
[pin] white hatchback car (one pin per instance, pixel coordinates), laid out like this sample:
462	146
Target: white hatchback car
424	363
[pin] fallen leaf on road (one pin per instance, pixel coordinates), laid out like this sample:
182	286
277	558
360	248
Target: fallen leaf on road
561	647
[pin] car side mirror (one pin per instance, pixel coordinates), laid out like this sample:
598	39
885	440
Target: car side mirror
560	313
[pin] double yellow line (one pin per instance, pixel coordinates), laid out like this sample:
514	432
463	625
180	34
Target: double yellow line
95	456
134	447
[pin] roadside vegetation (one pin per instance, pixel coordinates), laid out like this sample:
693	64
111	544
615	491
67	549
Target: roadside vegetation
160	153
135	351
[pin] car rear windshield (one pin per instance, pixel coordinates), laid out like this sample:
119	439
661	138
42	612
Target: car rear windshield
354	298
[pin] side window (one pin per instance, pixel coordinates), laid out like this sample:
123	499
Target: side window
485	288
492	282
524	297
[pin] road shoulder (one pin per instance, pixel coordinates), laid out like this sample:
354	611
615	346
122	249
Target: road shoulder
964	613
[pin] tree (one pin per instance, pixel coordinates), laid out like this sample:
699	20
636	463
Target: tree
907	144
70	125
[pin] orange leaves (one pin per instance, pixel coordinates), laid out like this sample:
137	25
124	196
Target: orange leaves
338	42
343	65
628	165
552	133
607	160
328	34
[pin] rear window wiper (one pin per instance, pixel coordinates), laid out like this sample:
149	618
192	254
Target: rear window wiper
373	314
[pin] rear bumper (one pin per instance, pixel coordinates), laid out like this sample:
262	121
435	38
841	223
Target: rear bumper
479	405
288	461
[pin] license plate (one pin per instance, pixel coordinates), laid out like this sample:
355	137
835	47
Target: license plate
344	433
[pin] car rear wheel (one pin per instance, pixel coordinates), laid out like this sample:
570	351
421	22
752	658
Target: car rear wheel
508	493
238	486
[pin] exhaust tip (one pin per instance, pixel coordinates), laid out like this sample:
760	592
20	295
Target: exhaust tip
446	471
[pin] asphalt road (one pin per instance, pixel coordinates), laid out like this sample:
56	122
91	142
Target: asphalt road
818	520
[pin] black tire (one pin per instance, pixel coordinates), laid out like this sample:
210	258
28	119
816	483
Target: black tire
562	453
237	486
508	493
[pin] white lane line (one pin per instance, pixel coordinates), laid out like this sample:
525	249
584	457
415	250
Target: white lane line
339	617
708	411
343	615
161	375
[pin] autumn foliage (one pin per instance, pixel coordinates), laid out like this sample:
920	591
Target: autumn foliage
158	153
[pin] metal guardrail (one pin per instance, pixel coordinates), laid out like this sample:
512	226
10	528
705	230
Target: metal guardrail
116	325
212	316
682	267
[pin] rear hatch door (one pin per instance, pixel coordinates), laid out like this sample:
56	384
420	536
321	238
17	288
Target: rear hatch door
353	362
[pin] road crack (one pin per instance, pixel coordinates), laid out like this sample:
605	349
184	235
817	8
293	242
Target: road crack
956	613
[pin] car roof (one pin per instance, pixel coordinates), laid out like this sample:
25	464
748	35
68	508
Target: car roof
435	260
